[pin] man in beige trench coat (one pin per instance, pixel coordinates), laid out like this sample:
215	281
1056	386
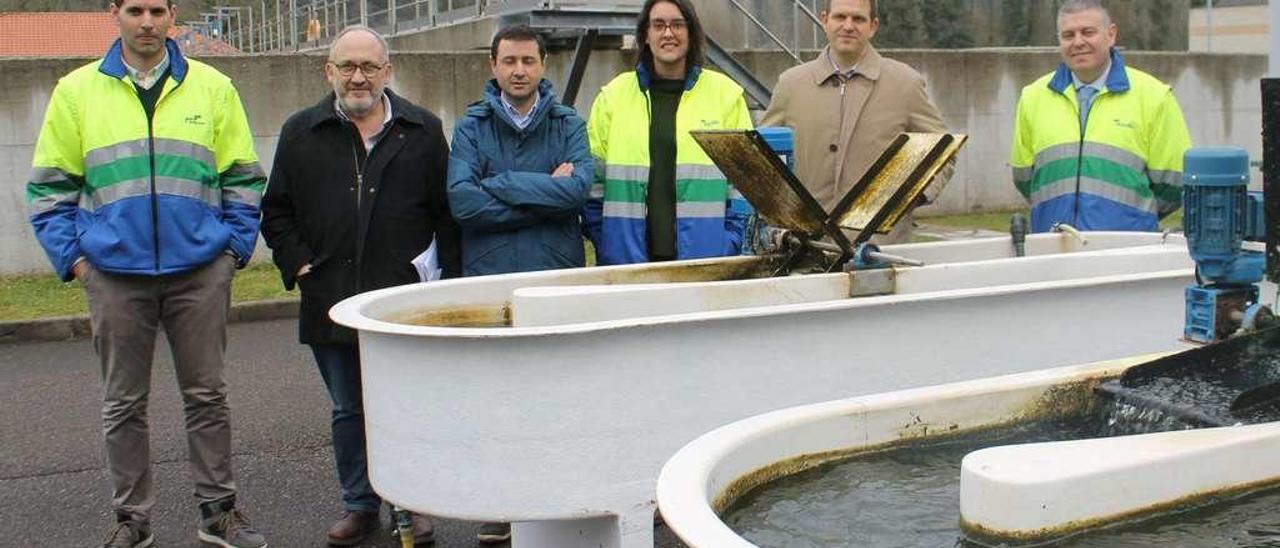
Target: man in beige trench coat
848	104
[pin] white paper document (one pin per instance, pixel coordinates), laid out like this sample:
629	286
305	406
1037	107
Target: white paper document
427	264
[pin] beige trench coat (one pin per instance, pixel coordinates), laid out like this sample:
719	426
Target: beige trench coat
841	128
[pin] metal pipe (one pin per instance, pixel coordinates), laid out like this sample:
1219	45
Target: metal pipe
893	259
822	246
263	40
251	29
1018	233
279	28
807	12
1064	227
870	254
1208	14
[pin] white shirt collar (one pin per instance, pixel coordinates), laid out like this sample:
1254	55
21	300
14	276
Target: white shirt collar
1099	84
837	69
521	120
146	79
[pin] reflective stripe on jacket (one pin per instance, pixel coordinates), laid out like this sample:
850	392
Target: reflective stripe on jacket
139	198
710	214
1124	172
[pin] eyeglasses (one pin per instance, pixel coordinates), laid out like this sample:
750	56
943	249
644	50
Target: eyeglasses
676	26
349	69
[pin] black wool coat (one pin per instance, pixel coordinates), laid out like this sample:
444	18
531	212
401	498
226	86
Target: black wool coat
357	219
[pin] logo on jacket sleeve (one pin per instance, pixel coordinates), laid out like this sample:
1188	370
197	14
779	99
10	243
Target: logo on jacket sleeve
710	124
195	119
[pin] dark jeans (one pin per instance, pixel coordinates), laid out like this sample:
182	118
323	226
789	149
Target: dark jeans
340	366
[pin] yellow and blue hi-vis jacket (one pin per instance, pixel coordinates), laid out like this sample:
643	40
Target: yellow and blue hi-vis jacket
710	214
138	197
1121	171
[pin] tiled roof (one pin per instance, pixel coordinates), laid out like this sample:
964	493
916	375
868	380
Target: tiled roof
56	34
82	34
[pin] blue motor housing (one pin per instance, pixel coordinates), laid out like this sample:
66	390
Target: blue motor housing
1219	214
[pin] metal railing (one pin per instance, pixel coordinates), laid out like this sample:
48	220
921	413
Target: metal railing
292	25
763	27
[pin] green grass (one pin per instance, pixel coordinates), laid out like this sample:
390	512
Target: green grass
41	296
999	220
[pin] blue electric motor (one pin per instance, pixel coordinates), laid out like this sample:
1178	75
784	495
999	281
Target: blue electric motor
1219	215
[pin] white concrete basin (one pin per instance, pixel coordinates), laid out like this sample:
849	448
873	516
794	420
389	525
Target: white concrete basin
712	471
562	423
1025	492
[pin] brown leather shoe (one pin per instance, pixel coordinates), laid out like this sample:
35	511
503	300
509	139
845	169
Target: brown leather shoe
423	533
352	528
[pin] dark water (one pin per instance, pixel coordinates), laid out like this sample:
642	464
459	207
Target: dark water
1121	418
1206	381
910	497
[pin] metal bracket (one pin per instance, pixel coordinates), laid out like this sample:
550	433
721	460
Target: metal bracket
581	54
868	283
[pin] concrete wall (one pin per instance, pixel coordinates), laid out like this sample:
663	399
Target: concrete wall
976	90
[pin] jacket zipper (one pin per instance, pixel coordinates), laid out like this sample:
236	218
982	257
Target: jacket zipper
355	155
155	200
151	160
359	172
840	137
1075	214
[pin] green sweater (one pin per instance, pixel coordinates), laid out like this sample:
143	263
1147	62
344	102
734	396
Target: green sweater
661	198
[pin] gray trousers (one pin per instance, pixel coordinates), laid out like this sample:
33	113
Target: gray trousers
125	312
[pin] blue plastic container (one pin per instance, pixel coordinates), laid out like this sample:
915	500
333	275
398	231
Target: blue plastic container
783	141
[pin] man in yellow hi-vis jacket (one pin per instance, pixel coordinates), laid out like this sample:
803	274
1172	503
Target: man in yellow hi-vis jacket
145	187
1097	145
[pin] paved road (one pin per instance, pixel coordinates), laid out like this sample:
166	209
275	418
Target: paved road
55	491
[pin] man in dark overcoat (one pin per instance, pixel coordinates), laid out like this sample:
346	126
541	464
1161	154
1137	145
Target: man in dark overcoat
357	191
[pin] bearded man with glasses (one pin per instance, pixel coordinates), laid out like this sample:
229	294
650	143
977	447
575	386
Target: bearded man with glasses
356	192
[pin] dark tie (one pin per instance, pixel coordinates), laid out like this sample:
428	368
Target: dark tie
1085	96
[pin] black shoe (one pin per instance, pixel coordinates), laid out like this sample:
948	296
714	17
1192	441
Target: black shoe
491	532
129	533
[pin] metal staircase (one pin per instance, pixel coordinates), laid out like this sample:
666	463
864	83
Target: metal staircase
455	25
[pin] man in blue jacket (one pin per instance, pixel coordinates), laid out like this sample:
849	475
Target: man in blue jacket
521	169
